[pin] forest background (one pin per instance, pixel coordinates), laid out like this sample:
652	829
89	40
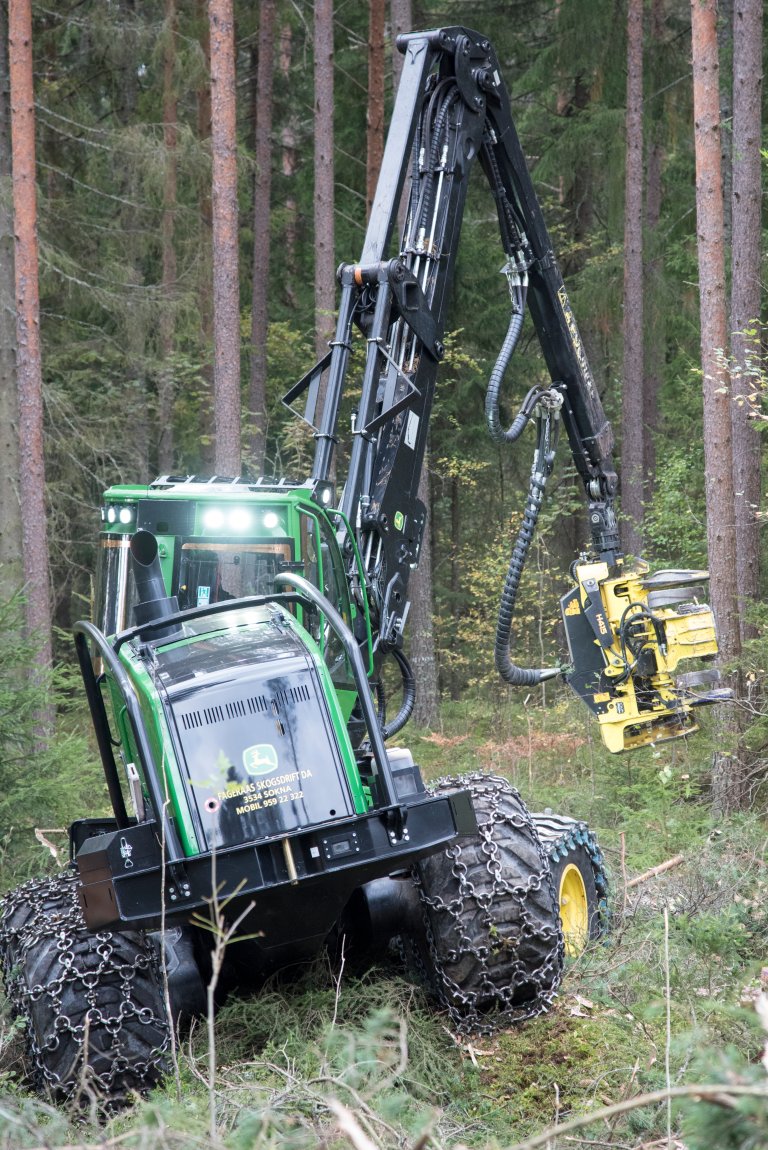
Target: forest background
131	368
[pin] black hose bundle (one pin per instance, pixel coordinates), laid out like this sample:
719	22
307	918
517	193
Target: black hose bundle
543	462
408	701
409	695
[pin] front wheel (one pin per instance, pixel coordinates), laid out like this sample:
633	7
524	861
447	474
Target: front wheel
96	1023
581	884
493	940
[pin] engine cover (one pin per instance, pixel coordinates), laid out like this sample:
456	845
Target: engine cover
253	734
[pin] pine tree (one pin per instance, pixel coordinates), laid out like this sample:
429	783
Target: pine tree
262	189
11	574
29	366
324	232
746	290
165	444
632	437
226	287
728	793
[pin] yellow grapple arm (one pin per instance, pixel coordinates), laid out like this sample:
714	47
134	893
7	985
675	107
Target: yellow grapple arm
627	633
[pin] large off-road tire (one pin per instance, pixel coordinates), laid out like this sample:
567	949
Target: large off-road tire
96	1025
578	872
493	930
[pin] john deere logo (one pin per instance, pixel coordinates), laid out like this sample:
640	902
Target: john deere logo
260	759
399	521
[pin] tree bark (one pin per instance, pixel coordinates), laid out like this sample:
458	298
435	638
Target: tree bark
11	570
28	366
746	294
262	191
226	286
165	390
204	288
325	268
632	438
288	168
725	55
375	111
653	314
727	785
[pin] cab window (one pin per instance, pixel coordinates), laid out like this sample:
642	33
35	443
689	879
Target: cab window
323	566
213	572
115	593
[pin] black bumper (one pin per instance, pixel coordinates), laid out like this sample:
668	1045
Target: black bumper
307	875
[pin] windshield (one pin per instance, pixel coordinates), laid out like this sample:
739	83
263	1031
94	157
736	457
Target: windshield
203	572
212	572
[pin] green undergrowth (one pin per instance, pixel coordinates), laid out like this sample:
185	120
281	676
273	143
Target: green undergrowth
331	1058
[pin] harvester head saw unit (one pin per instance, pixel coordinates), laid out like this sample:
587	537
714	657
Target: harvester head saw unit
627	634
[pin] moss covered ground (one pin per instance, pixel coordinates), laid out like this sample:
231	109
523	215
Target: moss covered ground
335	1059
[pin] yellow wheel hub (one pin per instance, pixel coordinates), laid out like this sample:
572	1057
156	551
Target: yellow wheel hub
574	911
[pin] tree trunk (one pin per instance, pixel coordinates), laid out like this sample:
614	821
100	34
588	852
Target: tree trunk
226	287
131	225
632	461
288	167
262	189
725	55
165	390
325	268
423	656
11	570
746	289
654	315
727	783
28	366
204	288
375	111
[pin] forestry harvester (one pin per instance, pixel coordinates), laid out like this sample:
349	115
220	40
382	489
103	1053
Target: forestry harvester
233	669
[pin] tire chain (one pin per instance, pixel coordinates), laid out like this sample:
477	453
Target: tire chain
498	1010
65	923
561	834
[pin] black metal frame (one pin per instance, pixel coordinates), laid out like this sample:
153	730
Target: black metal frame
111	893
451	86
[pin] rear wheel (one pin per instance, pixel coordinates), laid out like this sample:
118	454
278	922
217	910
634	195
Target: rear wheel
578	872
493	940
96	1024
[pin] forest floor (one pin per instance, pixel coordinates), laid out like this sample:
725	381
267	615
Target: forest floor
367	1062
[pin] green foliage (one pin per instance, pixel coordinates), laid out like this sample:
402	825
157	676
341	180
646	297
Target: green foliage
675	524
45	782
373	1044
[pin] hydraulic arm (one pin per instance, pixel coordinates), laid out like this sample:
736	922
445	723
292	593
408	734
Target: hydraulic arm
453	108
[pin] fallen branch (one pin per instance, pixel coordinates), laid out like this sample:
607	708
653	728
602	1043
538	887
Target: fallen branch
347	1124
718	1095
656	870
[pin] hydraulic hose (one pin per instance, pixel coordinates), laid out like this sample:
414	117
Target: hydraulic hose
540	472
409	695
498	434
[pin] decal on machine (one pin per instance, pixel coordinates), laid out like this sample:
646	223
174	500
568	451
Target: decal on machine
260	759
264	793
578	346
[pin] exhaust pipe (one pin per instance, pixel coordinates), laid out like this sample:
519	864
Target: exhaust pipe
153	603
